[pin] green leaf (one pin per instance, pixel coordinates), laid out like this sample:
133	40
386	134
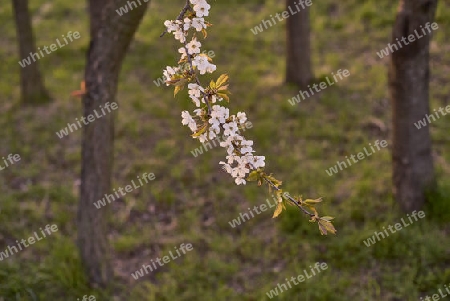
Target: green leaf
177	89
200	131
326	227
221	80
322	229
253	176
278	210
310	201
224	96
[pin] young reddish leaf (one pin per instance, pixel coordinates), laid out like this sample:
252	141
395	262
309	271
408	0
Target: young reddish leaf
81	92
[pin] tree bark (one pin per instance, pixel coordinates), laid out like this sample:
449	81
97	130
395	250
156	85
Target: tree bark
106	52
409	70
298	58
95	15
32	87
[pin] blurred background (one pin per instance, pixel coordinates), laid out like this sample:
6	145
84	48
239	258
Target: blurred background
191	199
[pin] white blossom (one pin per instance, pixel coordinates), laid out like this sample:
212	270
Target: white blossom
231	159
227	142
220	113
226	167
230	128
211	134
214	125
198	24
188	120
187	24
194	46
240	171
239	181
230	150
203	138
201	8
242	117
210	68
171	26
258	161
180	35
195	93
199	112
203	65
182	51
169	72
246	148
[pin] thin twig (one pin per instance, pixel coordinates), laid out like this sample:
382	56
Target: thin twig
290	199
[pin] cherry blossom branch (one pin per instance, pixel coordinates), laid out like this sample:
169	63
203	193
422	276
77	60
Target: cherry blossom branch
212	119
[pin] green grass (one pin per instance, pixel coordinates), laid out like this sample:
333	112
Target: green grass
192	200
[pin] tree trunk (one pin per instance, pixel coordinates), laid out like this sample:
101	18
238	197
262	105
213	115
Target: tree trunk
412	160
106	52
298	47
32	87
95	15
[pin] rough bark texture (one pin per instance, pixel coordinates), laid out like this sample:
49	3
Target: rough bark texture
298	58
413	171
32	87
107	50
95	14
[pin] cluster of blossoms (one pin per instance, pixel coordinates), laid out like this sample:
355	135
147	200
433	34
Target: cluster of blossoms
209	124
209	121
211	118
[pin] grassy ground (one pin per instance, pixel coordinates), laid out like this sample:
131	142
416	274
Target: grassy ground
192	200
